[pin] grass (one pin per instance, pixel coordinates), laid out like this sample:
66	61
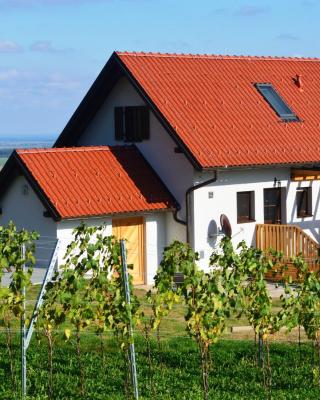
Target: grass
174	324
234	374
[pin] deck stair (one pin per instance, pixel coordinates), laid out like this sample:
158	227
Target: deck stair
291	240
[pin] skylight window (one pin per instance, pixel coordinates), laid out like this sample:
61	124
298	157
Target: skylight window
276	102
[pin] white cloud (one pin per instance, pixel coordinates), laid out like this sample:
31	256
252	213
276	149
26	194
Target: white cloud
8	74
58	81
9	46
251	10
46	46
25	87
287	36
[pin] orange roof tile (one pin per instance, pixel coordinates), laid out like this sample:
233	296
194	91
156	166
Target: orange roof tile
212	104
87	181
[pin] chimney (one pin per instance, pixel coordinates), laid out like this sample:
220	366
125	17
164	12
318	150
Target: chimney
298	81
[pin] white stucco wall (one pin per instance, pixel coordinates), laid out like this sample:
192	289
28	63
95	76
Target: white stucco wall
224	201
154	231
26	211
174	169
65	231
156	240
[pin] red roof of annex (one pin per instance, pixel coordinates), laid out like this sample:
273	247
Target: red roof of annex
211	103
88	181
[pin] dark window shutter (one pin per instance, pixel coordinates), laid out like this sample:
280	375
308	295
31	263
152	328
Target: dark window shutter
129	122
118	123
145	123
137	124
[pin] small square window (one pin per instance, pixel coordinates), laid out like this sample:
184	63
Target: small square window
245	207
132	123
304	202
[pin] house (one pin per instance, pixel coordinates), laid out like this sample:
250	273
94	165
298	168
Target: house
53	190
217	144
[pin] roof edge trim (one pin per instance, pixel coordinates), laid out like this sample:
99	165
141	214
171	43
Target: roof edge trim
170	130
7	173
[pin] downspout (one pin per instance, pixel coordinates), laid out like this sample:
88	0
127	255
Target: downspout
188	192
176	218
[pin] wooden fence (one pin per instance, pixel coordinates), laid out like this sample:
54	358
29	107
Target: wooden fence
291	240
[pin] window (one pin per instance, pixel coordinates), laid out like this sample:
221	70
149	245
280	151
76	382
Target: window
131	123
245	207
304	202
276	102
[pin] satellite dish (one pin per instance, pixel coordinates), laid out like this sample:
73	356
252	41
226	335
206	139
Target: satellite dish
212	229
225	225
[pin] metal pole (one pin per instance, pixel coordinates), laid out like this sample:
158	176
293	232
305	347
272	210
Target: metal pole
47	279
23	333
260	355
132	354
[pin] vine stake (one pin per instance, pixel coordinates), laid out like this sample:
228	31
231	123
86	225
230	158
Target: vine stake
23	332
133	367
26	334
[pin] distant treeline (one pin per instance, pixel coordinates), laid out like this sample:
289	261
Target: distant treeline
8	145
5	153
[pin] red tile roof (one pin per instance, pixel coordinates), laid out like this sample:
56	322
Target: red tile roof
214	108
87	181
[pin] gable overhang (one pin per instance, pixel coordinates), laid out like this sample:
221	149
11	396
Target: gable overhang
93	100
15	167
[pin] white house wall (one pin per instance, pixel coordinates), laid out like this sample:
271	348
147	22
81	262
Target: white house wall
156	240
65	231
155	237
26	211
173	168
224	201
174	230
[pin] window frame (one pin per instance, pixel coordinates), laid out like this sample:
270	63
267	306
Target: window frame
308	212
289	117
131	123
251	198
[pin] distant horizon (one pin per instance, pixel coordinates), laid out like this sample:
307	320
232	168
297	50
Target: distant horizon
28	137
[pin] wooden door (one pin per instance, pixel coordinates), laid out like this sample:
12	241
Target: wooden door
272	206
131	229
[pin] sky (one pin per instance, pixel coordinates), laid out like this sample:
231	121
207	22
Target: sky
52	50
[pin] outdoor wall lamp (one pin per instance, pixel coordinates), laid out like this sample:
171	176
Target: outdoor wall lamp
277	182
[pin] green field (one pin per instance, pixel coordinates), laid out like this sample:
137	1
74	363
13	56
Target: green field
176	373
2	161
175	370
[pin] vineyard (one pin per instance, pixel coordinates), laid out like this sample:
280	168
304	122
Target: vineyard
93	341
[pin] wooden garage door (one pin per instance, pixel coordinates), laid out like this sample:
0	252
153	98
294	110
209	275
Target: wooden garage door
131	229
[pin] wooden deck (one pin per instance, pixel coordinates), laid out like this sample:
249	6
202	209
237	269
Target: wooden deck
291	240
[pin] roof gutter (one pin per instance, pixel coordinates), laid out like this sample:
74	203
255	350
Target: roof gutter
190	190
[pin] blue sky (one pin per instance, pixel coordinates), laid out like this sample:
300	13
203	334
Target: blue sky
52	50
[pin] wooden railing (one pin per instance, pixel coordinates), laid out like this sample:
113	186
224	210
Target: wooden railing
291	240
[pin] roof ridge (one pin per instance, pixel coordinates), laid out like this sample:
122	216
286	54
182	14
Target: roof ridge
73	149
214	56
